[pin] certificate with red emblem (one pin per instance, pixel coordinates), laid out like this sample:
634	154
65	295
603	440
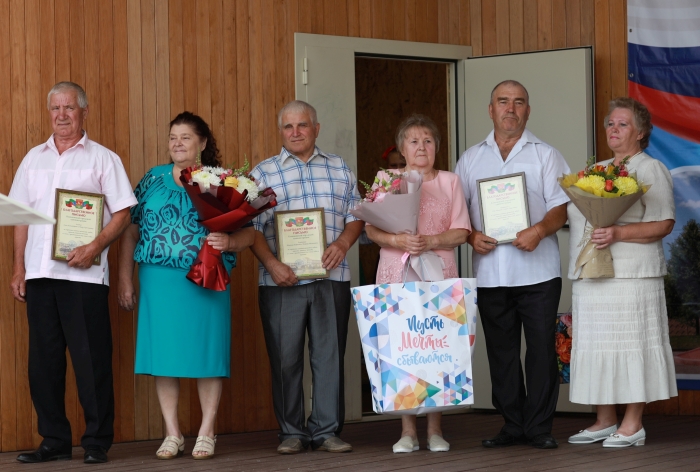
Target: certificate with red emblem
504	207
78	221
301	241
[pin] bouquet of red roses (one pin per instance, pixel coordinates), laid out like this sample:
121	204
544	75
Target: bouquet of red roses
225	200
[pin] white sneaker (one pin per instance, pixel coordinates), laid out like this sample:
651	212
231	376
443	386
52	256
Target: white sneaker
588	437
406	444
618	440
438	444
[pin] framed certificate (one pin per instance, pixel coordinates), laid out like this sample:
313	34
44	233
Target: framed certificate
503	205
78	221
301	241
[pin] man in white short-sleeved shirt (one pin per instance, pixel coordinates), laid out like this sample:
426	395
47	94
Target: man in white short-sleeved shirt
67	300
519	282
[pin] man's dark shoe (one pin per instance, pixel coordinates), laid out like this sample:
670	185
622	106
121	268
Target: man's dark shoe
44	454
544	441
502	439
95	455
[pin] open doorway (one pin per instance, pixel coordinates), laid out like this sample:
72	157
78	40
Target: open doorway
386	92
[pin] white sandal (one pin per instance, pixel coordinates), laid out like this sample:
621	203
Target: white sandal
204	444
171	448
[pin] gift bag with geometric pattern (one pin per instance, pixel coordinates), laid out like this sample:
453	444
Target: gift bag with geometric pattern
418	340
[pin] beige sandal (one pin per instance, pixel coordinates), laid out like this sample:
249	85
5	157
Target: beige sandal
204	444
171	448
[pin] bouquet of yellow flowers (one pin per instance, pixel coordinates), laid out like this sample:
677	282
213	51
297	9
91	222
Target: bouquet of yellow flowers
602	194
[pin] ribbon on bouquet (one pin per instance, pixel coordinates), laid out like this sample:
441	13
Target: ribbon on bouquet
427	267
208	270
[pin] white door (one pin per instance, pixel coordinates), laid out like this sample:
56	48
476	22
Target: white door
333	75
560	85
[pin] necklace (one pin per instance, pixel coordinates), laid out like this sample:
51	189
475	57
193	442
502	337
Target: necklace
427	176
431	175
629	158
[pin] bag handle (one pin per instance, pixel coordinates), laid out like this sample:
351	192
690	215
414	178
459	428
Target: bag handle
406	265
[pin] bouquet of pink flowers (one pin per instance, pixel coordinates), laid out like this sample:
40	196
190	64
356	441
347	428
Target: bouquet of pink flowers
392	203
225	200
382	187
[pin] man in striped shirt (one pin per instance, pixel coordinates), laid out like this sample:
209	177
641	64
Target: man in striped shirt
305	177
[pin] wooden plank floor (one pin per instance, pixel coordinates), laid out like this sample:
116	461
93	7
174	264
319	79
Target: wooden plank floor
673	443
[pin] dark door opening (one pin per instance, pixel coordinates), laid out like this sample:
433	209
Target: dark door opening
387	91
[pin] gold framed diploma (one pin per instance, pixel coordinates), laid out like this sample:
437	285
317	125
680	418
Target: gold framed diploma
300	236
503	205
78	221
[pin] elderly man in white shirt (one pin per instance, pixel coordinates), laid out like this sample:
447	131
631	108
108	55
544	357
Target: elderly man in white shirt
67	300
519	282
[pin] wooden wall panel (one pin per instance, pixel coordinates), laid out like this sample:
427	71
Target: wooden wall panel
490	29
573	23
603	65
143	61
530	30
503	29
7	353
475	25
452	22
544	25
464	22
123	340
517	26
36	114
444	21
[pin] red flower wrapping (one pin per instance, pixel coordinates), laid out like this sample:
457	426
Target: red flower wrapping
226	212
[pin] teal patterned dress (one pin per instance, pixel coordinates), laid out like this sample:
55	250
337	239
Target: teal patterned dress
183	330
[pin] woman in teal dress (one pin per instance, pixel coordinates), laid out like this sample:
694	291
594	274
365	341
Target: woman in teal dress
183	330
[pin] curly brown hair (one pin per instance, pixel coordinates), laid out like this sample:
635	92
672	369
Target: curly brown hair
642	117
210	155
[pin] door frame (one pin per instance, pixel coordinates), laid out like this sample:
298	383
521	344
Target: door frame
401	50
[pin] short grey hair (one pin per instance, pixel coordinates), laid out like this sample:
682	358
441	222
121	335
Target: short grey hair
417	120
513	83
298	106
66	86
640	113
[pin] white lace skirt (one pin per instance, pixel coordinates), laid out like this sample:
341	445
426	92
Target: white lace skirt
621	351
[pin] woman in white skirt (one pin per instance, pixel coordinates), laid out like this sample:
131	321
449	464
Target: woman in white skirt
621	352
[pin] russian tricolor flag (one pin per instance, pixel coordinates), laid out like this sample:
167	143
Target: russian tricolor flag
664	74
